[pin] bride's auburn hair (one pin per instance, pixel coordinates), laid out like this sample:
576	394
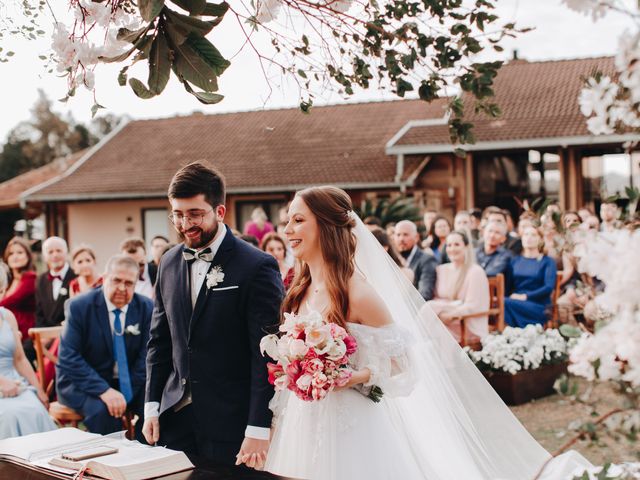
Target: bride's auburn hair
332	208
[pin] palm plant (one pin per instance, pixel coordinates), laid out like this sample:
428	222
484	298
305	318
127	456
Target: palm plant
389	210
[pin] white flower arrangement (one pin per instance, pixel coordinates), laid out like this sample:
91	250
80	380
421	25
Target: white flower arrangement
622	471
517	349
612	353
215	276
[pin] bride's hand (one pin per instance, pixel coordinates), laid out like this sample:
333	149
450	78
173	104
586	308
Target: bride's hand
357	377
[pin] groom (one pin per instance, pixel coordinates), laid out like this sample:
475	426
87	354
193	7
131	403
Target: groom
207	391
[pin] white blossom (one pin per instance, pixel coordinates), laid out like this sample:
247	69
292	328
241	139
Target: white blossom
596	8
268	10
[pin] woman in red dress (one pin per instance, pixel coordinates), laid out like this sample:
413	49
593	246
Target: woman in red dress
20	297
83	262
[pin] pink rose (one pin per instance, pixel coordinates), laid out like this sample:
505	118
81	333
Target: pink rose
343	377
294	371
275	371
304	382
318	393
351	344
313	365
319	380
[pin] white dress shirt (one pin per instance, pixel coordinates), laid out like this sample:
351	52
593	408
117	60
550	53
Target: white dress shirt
198	273
144	286
56	284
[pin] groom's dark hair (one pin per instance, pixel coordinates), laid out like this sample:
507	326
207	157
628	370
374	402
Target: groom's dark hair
198	178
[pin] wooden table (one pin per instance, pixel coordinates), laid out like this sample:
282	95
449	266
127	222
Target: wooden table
204	470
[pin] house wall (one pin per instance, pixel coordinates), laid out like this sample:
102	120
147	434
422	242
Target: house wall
103	225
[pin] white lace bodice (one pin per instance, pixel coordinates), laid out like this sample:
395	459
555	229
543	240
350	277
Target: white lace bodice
385	352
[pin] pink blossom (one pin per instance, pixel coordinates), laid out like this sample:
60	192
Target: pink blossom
351	344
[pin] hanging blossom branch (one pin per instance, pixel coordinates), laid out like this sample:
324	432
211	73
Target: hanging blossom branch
612	103
424	46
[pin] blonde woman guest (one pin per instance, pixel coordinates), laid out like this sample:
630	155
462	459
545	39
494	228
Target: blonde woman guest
23	403
533	279
274	245
259	225
83	262
462	287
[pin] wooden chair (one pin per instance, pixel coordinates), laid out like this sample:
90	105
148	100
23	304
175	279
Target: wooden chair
62	414
495	312
553	311
41	337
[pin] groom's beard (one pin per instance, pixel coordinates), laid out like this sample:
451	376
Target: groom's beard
205	238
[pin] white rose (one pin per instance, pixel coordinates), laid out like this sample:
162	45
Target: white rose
304	382
297	348
337	350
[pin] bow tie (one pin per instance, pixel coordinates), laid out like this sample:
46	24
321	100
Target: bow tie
190	255
53	277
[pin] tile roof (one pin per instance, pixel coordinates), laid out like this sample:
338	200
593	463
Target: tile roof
10	190
280	150
256	150
538	100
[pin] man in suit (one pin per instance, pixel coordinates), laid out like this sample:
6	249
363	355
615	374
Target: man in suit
216	296
101	368
134	247
52	287
422	263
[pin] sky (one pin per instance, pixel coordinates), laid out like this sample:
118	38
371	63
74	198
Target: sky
559	33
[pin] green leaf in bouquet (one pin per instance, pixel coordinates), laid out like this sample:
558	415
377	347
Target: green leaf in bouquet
375	394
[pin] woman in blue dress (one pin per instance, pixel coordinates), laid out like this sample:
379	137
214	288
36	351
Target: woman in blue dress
23	403
533	280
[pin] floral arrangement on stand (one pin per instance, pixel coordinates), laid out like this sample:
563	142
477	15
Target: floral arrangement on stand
517	349
611	352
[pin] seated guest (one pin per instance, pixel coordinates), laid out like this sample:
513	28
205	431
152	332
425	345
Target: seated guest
259	224
533	279
491	255
440	229
609	215
383	239
372	222
250	239
20	297
83	262
158	247
462	223
570	220
101	368
134	248
462	288
423	263
23	404
52	287
274	245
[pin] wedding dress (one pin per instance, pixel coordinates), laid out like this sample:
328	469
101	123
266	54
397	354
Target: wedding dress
439	419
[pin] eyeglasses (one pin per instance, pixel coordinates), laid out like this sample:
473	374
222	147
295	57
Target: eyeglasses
193	219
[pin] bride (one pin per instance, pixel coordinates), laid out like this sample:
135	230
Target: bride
438	419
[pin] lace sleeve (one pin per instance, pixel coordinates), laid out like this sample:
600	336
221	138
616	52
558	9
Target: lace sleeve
385	352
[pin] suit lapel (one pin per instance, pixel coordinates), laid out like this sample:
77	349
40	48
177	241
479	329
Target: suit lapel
184	287
221	258
102	314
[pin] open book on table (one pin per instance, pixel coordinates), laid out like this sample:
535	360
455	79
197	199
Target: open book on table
132	461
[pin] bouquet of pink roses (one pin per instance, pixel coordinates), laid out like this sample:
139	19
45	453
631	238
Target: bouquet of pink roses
311	355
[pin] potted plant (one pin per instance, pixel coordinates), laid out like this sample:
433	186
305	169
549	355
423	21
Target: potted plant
522	363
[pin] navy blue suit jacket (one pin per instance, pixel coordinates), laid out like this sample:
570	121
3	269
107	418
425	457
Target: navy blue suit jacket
214	347
86	359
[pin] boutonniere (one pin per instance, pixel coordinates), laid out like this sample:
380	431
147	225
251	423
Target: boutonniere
132	329
215	276
63	292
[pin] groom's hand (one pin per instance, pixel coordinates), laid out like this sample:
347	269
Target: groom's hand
151	430
253	453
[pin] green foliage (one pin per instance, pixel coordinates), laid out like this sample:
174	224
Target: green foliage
406	46
399	208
